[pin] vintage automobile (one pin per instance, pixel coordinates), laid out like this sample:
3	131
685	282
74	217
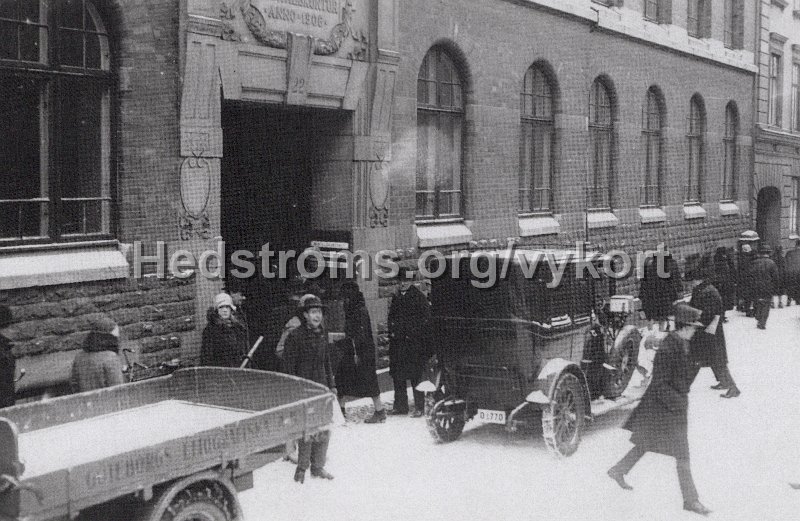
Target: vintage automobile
520	351
172	448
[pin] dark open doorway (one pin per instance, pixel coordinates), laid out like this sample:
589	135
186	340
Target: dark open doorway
768	216
267	180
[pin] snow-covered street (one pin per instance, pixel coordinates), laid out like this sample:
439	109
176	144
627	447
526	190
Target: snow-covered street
744	453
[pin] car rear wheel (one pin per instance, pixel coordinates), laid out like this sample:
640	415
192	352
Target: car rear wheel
446	420
563	419
199	503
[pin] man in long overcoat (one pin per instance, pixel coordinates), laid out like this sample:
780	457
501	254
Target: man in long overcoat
763	281
660	421
409	319
658	293
791	272
707	347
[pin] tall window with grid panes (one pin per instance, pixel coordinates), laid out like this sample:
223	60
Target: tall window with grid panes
440	122
695	144
55	122
652	125
775	90
537	143
730	170
601	135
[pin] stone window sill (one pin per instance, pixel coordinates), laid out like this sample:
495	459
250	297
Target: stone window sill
728	208
531	225
693	211
651	215
25	269
445	234
601	219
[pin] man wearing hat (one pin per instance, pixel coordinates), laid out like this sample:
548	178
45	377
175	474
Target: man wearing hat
225	341
660	421
409	319
763	281
307	355
7	362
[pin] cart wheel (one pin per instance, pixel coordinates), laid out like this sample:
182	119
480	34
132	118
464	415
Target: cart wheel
563	419
445	426
624	357
200	503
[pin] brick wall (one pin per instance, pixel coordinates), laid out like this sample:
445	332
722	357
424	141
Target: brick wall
494	43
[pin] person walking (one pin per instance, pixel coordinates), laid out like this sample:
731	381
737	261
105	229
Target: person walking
8	367
780	288
658	293
97	365
356	375
224	341
707	347
307	355
743	286
791	273
660	422
409	318
724	279
762	278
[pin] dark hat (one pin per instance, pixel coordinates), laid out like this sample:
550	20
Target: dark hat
310	301
687	315
765	248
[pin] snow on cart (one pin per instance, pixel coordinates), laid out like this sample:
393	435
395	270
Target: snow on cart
526	348
173	448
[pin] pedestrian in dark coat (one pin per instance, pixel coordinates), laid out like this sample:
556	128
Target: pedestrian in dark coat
762	278
792	272
225	335
409	319
707	347
7	362
307	355
356	374
660	421
658	293
724	278
744	292
780	263
97	365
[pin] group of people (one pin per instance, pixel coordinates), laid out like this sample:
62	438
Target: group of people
767	278
348	367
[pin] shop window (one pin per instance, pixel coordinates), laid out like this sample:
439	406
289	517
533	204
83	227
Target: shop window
54	122
695	144
440	122
775	89
698	19
730	172
601	136
652	140
537	143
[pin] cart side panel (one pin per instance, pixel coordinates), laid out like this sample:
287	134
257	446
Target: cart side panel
76	407
241	388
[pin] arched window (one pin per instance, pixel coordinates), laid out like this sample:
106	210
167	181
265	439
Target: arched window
730	173
695	142
440	121
55	184
601	134
652	125
537	142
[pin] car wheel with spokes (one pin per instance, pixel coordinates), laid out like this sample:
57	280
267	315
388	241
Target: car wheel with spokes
563	418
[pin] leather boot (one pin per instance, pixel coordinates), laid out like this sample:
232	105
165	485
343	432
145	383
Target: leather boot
619	477
300	475
719	387
377	417
321	473
697	507
733	392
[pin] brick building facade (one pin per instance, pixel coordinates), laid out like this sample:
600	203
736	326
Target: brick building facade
383	124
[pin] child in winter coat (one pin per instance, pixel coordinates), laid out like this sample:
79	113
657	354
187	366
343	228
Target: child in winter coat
225	336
